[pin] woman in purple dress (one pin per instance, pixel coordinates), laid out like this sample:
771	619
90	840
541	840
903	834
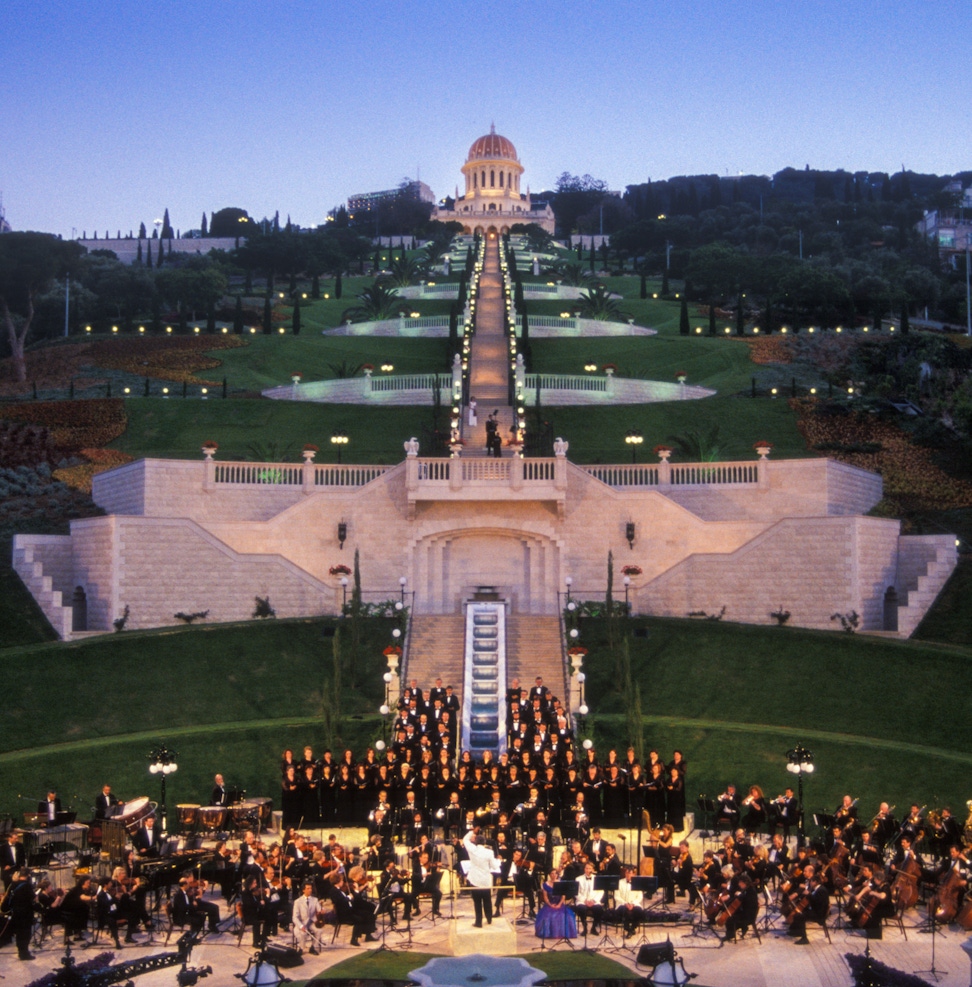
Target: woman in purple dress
556	919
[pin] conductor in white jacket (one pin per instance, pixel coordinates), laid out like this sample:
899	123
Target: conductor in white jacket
479	872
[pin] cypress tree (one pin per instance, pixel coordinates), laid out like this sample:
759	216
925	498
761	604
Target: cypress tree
592	260
148	253
156	314
238	317
712	320
141	232
376	260
525	335
644	287
138	257
248	282
296	316
316	286
166	227
453	330
204	228
579	250
740	319
683	320
905	324
211	318
337	285
293	284
665	285
267	320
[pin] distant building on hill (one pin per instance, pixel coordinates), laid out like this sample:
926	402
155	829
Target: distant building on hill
367	201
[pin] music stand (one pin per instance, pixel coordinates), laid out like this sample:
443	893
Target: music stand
647	886
707	807
607	883
564	890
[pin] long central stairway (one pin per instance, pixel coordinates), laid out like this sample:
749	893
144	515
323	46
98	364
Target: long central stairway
489	362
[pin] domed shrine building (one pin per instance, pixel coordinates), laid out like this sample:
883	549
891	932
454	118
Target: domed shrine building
493	201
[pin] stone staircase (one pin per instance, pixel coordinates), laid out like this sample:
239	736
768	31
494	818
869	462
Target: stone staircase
51	601
533	648
436	650
922	590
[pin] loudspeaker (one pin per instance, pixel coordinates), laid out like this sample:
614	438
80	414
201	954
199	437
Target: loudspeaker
653	954
283	956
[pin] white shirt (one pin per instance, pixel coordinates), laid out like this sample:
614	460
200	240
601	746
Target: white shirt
481	863
586	892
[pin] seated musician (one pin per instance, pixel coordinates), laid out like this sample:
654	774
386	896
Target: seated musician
255	910
904	854
426	879
589	903
868	852
305	912
353	908
744	914
392	889
710	874
508	878
884	826
189	908
131	894
777	859
816	909
75	908
106	905
148	840
872	901
846	818
947	833
756	813
913	825
728	809
629	905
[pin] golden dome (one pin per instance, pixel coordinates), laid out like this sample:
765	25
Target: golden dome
492	146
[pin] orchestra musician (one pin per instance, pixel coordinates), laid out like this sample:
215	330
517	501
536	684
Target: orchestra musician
12	857
812	901
883	826
777	859
589	903
845	816
756	813
871	902
743	908
148	841
306	909
629	905
218	796
728	807
18	909
49	809
106	803
947	833
684	874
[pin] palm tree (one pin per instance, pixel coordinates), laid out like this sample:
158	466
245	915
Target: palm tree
403	271
697	445
571	272
376	302
598	303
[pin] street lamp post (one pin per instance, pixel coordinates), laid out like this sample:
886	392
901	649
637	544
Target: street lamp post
164	764
800	763
339	439
634	438
627	607
402	580
344	592
568	582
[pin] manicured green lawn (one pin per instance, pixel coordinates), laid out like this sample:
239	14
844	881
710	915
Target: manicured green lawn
268	430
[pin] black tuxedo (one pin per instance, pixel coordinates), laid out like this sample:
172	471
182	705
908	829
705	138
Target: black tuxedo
145	846
104	804
218	796
12	858
43	810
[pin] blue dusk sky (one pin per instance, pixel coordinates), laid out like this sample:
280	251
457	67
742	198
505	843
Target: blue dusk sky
112	111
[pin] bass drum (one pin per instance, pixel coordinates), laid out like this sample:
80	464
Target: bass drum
134	812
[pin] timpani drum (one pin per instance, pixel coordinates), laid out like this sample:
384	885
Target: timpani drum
188	814
245	815
212	817
262	811
134	812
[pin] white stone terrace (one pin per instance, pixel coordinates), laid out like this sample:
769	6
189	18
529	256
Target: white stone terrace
541	327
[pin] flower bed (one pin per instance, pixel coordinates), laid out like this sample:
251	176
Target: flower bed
174	358
769	349
73	425
912	480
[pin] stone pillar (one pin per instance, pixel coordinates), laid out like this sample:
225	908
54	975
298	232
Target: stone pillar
455	473
519	373
665	473
307	478
516	472
209	474
395	686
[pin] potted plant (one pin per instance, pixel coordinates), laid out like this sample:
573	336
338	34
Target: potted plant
208	448
763	448
309	452
663	452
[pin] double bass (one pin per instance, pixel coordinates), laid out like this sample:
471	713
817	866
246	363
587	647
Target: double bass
904	888
943	905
